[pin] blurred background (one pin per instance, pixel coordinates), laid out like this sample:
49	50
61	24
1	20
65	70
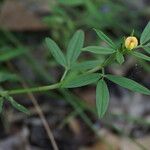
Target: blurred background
70	115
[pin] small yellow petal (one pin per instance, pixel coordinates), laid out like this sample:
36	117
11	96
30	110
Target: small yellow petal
131	42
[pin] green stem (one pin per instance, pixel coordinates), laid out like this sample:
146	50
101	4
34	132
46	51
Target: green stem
103	71
34	89
105	63
57	85
64	75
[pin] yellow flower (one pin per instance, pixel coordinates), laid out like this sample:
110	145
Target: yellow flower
131	42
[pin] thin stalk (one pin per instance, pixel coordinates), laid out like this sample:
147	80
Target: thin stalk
64	75
34	89
103	71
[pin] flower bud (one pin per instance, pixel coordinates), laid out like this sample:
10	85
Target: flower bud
131	42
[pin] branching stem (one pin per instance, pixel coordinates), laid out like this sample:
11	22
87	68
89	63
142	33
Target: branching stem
104	64
56	85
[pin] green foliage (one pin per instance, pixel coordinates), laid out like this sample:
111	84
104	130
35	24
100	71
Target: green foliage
5	97
145	36
147	49
67	16
9	53
17	105
86	65
105	38
6	76
71	2
73	50
74	47
102	97
1	104
99	50
56	52
81	80
87	72
141	56
129	84
119	57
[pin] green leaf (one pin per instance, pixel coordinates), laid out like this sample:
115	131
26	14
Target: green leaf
81	80
105	38
71	2
144	64
56	52
92	10
17	105
87	65
1	104
70	75
74	47
145	36
129	84
119	57
53	20
147	49
102	98
140	55
99	50
6	76
10	53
